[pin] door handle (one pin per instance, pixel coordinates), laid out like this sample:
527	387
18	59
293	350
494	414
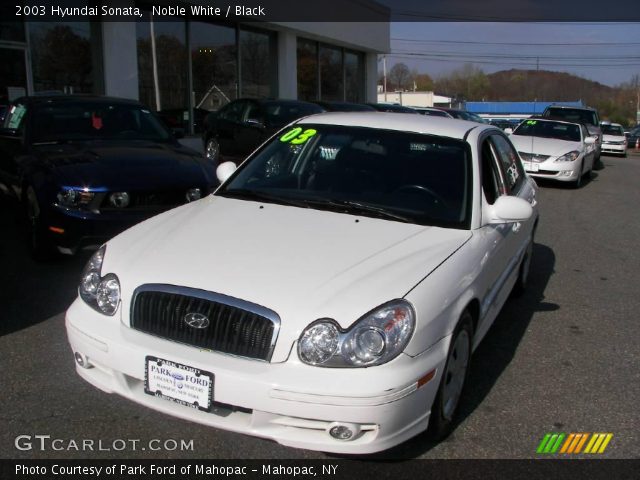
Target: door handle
516	227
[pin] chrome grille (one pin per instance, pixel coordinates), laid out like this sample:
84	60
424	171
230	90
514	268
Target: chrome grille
532	157
234	327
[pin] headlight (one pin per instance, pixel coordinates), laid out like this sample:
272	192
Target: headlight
101	293
74	197
193	194
119	199
568	157
376	338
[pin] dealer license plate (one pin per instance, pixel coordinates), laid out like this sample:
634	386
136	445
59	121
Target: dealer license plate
178	383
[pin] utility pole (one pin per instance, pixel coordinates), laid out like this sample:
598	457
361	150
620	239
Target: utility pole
384	75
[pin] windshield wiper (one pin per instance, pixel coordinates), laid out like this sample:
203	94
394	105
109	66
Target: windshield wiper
349	206
247	194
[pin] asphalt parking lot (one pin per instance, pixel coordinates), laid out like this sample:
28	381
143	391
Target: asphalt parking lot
562	358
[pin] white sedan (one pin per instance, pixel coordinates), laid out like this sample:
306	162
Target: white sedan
613	139
555	149
328	296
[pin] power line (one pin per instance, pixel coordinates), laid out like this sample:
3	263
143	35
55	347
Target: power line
463	42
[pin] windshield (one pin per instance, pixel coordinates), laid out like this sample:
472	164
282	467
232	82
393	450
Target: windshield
58	122
541	128
394	175
612	130
573	115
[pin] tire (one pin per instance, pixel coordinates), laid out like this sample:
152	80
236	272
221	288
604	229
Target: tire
523	272
40	246
577	183
454	378
212	151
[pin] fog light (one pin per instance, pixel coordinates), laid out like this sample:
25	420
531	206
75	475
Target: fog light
567	173
82	361
119	199
344	431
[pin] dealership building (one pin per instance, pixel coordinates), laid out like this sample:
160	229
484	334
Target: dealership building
185	67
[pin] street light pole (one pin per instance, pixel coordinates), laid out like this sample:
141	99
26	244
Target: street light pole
384	75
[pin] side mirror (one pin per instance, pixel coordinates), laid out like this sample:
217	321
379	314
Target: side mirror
589	140
508	131
508	209
225	170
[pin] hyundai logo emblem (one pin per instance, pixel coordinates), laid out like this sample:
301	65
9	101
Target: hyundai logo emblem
196	320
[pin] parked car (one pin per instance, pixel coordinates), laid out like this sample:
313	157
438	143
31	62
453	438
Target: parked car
556	150
238	128
584	115
86	168
504	123
363	257
345	107
463	115
633	139
614	139
391	108
433	112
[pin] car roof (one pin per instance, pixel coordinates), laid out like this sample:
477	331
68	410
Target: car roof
569	107
405	122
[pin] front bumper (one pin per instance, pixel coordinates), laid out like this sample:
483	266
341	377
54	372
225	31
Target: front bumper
561	171
291	403
618	149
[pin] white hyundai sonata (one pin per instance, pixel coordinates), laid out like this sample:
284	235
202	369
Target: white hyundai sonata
328	295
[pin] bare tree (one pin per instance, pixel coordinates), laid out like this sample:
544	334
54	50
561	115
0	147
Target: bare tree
400	76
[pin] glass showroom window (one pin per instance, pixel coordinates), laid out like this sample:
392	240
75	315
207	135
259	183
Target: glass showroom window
66	56
258	64
307	69
331	73
354	76
162	69
214	65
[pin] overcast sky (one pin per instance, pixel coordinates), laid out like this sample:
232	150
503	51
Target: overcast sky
607	53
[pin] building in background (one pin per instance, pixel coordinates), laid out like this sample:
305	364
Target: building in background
186	68
513	110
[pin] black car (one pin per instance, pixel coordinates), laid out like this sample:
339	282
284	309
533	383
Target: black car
633	139
463	115
345	107
85	168
238	128
390	107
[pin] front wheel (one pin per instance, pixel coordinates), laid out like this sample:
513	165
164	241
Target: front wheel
456	371
577	183
212	151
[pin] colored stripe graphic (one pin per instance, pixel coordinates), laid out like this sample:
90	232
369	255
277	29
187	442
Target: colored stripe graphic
598	442
573	443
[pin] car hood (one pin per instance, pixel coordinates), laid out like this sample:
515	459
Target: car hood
304	264
544	146
125	166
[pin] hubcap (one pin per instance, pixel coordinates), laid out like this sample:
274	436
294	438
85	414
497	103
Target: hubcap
455	374
212	150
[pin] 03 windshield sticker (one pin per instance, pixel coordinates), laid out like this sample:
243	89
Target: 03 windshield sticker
296	136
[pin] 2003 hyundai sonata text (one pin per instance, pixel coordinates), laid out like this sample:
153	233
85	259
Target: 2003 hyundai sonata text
328	295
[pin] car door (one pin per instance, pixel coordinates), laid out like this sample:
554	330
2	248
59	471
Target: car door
590	150
502	174
12	141
251	131
228	123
